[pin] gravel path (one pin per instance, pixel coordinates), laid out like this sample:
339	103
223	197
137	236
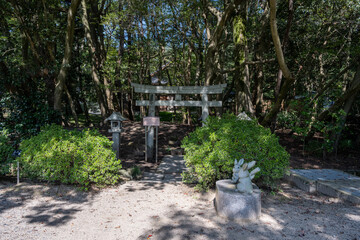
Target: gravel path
139	210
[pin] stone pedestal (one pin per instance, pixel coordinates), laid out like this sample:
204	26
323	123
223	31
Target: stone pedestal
116	143
233	205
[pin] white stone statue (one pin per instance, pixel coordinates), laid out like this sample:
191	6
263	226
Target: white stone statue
241	176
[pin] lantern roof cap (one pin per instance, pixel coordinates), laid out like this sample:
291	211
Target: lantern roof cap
115	116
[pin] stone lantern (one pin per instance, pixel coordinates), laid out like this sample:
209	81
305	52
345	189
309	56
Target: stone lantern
116	120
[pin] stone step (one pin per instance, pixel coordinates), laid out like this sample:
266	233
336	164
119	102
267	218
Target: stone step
152	177
173	177
348	190
169	170
161	177
331	182
172	164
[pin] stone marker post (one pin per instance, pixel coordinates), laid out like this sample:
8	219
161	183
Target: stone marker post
150	123
150	128
116	126
205	108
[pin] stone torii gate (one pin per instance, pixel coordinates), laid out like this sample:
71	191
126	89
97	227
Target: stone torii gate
177	91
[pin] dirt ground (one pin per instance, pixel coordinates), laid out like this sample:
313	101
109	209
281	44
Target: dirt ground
138	210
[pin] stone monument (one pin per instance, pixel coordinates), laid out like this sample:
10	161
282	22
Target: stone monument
238	198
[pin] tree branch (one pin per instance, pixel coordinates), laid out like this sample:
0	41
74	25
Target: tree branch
214	11
352	91
289	80
246	63
330	83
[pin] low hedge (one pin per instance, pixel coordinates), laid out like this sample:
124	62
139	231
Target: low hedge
76	157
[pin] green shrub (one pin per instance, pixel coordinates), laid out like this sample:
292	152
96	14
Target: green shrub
77	157
6	150
210	151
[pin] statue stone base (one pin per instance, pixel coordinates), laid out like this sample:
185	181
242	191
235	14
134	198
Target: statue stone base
237	206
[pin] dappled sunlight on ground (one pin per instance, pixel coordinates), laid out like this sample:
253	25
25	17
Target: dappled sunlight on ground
156	210
45	204
272	222
353	217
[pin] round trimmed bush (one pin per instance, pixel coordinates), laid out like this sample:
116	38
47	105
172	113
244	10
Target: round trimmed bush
210	151
76	157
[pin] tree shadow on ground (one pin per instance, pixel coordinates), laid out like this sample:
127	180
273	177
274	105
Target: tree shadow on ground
291	214
52	205
141	186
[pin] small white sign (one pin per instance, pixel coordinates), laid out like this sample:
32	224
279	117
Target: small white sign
151	121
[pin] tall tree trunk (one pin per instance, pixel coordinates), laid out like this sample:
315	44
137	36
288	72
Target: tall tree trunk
69	38
130	94
95	60
289	80
108	94
284	44
72	106
242	78
98	38
83	100
215	37
118	83
259	76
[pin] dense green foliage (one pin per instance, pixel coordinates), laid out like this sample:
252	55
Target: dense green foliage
300	118
210	151
78	157
27	114
6	150
180	43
